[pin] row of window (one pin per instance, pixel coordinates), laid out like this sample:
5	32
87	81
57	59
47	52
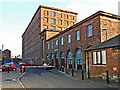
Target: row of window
59	21
79	62
89	33
60	14
99	58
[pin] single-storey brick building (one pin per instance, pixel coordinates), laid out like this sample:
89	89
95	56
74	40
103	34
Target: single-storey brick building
104	57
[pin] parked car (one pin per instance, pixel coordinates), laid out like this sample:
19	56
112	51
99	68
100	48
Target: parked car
11	66
47	66
24	64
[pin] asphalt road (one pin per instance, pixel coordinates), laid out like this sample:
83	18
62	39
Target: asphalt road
37	78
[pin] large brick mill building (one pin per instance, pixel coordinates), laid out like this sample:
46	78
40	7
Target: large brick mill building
33	39
54	37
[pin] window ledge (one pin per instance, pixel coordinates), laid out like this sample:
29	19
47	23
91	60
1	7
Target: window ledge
102	65
90	36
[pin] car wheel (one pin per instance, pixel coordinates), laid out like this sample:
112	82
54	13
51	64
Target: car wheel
14	69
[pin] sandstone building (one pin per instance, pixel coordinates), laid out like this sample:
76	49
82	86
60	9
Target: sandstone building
53	19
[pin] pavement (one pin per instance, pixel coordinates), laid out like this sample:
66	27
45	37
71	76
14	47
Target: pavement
11	79
78	76
37	78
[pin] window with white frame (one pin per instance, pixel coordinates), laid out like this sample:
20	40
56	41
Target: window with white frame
94	58
99	57
89	30
53	14
61	40
103	57
78	35
69	38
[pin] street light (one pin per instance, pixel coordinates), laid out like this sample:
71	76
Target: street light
106	32
2	54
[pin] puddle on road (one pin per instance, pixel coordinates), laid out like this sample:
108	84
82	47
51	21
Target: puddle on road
10	80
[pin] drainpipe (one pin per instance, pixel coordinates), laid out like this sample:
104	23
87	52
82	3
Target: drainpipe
88	65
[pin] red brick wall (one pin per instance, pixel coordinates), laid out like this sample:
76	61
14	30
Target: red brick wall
84	41
99	71
112	26
7	55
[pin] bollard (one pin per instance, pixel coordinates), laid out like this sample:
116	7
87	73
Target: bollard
107	77
66	71
82	74
8	69
62	69
72	72
22	68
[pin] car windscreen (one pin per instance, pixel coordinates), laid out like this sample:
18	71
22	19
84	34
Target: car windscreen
11	65
7	65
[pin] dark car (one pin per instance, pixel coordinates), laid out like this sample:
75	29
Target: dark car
47	66
11	66
24	64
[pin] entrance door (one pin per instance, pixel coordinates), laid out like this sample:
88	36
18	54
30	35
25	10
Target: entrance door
62	62
79	64
78	59
56	63
69	60
70	63
52	62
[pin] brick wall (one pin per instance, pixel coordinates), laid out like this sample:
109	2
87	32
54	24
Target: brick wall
112	60
98	22
111	25
7	55
83	43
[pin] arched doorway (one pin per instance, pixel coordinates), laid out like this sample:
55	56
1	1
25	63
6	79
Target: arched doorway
62	59
56	60
78	59
69	60
52	59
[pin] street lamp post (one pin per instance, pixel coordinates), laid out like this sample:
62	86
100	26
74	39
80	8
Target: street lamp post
2	54
106	32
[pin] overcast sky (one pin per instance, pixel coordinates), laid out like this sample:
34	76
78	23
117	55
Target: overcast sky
15	16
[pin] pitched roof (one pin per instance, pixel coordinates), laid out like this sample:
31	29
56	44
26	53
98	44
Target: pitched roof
113	42
102	13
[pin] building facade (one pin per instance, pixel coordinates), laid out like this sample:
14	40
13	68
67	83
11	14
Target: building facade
33	39
67	48
1	57
6	55
104	57
52	40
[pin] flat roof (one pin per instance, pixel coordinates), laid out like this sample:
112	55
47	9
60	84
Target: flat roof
57	9
41	6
